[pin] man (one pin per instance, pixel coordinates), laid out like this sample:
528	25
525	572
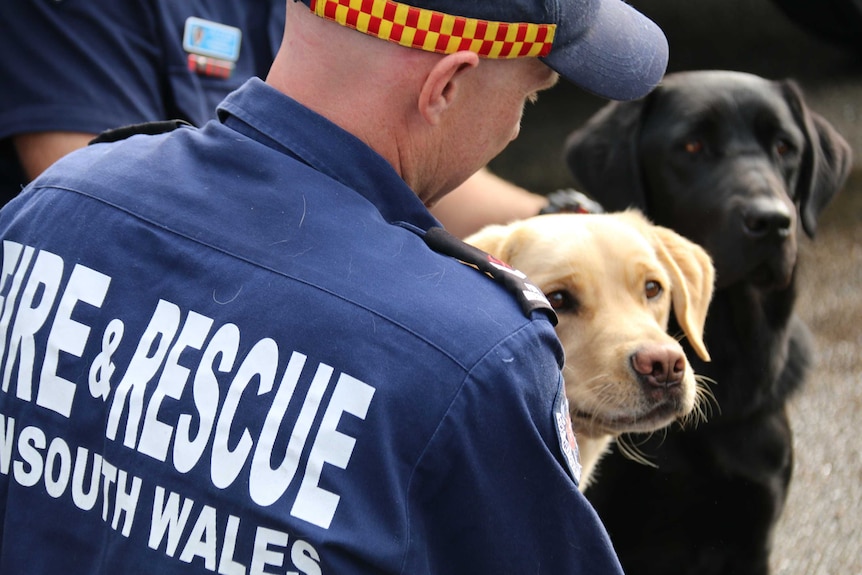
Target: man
249	348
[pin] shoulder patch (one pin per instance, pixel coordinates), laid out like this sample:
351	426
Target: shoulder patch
565	433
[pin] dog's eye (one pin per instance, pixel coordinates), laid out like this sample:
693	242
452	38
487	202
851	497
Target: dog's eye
693	147
652	289
783	147
563	301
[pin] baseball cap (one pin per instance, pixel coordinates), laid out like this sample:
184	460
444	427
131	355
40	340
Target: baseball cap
604	46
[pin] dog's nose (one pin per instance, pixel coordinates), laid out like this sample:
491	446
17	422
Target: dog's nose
766	217
659	365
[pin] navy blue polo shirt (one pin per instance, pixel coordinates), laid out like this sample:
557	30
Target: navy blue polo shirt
90	65
230	350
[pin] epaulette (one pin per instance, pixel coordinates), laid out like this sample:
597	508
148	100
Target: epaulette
146	128
529	297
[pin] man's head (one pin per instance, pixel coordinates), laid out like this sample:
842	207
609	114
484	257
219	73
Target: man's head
439	94
603	46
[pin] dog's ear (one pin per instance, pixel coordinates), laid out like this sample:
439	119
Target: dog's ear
494	240
826	160
693	276
603	154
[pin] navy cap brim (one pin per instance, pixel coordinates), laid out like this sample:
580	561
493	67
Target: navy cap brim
621	55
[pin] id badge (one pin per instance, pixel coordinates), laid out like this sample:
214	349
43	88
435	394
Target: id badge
212	48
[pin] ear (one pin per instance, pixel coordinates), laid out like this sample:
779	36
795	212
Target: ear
826	160
603	156
441	85
494	240
693	275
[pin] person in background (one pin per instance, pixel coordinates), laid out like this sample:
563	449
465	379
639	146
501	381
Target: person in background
249	347
72	69
81	68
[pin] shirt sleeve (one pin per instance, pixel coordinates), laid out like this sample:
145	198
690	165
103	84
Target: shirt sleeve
493	494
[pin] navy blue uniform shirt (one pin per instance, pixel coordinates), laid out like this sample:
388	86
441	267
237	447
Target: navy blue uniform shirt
90	65
229	350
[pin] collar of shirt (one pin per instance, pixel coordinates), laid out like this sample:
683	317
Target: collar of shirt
264	114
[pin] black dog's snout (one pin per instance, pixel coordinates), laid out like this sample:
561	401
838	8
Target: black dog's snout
767	218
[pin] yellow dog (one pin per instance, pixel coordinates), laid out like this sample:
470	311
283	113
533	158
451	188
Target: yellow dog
613	280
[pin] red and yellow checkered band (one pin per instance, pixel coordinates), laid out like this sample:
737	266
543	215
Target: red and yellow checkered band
438	32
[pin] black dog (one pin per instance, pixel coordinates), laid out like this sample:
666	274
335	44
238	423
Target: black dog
730	161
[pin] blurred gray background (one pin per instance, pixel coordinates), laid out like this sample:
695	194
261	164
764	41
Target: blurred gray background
820	532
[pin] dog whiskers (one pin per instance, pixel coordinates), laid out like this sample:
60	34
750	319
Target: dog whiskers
704	403
706	397
605	395
631	451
